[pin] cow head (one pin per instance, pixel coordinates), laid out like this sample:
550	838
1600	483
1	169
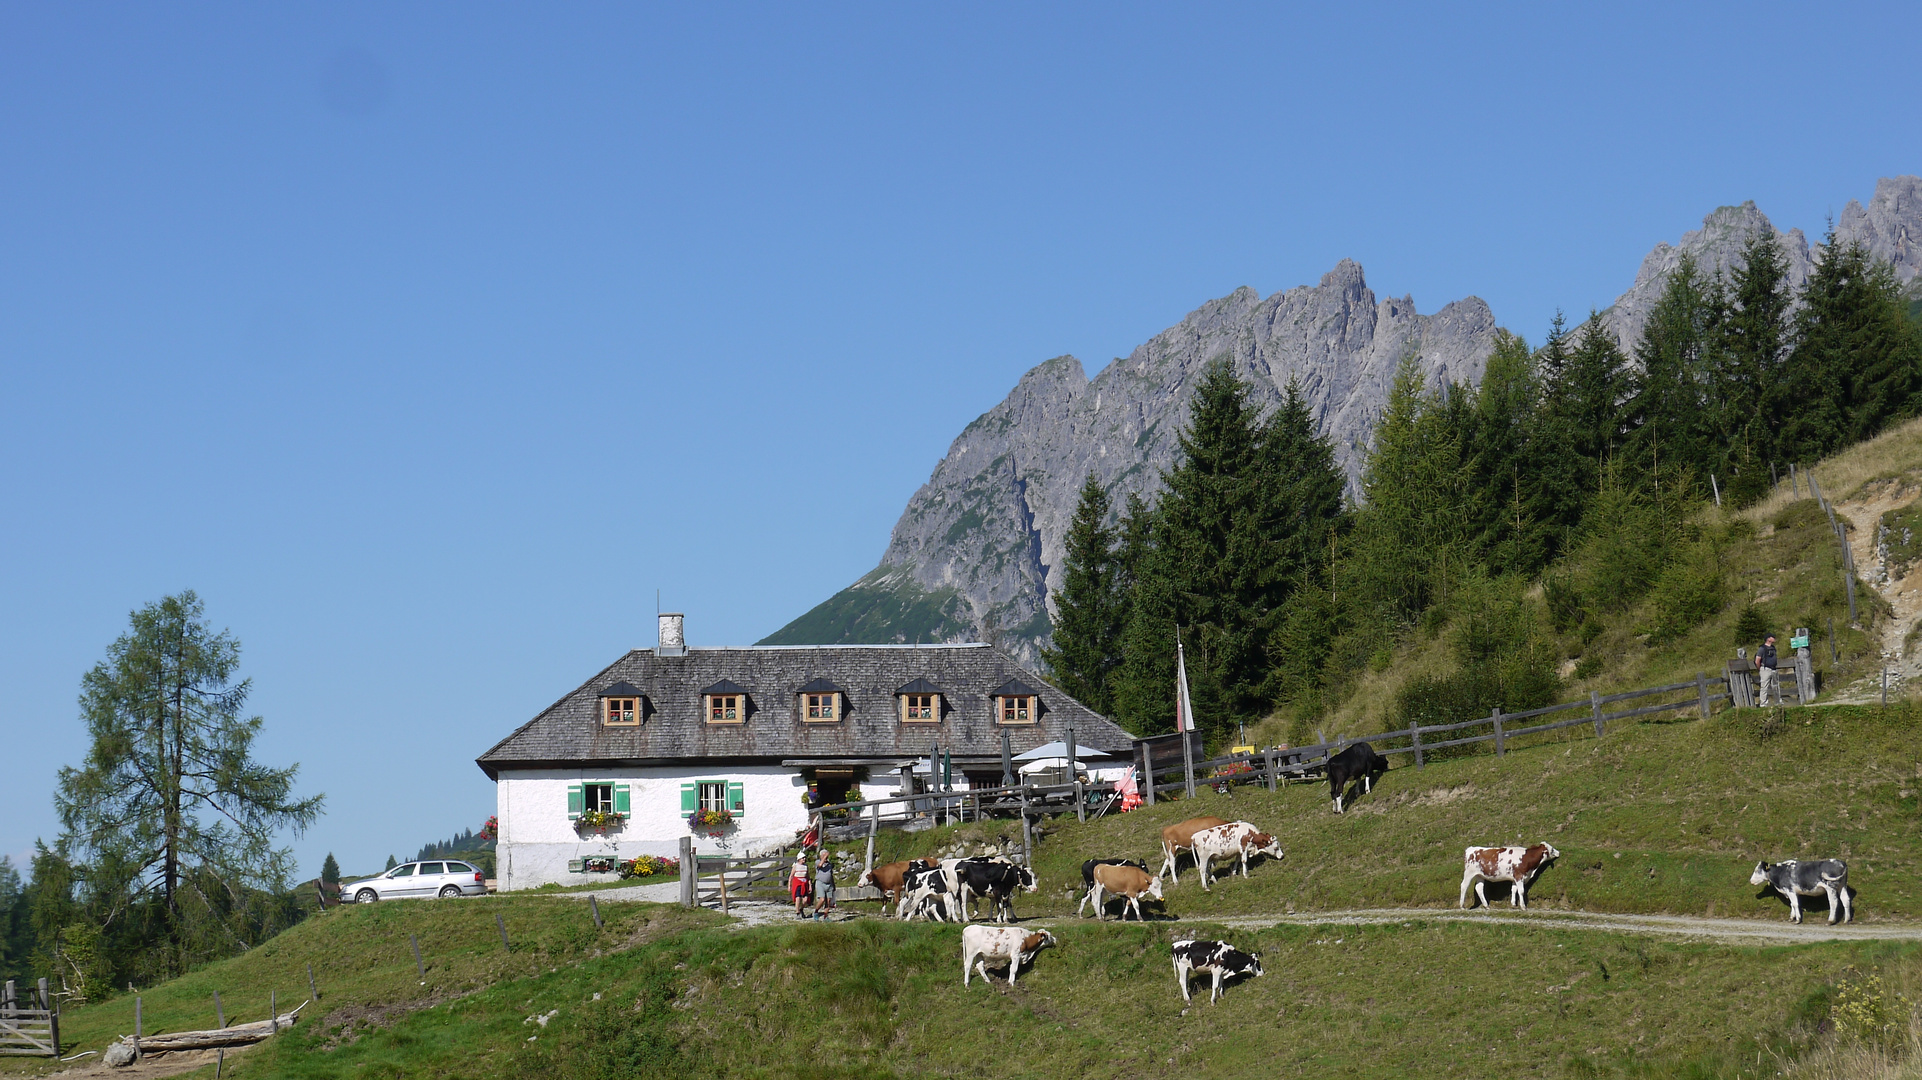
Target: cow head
1254	966
1264	844
1549	854
1036	941
1028	881
1154	888
1761	874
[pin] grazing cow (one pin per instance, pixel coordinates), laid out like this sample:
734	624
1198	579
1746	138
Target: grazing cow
1128	882
1358	762
1178	838
994	878
1087	878
928	892
1015	946
1236	838
1217	958
888	879
1795	879
1518	865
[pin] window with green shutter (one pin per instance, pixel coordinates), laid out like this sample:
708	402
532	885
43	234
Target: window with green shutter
622	800
735	797
576	799
690	798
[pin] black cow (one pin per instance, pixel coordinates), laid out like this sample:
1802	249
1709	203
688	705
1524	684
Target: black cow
925	891
1217	958
1358	762
1087	876
994	878
1798	879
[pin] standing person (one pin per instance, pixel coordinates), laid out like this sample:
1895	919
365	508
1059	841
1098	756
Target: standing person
823	885
1765	661
797	884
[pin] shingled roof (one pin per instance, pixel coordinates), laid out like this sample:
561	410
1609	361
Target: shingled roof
569	732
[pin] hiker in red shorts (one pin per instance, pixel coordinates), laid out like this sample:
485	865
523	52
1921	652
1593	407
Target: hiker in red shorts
797	883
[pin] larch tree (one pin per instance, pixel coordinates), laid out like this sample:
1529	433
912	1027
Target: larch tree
170	802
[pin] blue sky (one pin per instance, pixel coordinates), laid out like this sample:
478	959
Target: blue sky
426	341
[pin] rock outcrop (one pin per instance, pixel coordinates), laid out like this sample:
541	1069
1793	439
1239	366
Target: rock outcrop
979	546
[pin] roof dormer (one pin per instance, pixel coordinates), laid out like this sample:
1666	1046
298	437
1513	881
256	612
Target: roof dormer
921	702
622	705
822	702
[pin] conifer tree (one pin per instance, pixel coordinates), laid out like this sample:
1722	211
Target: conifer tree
1754	339
1502	452
1857	361
330	870
1580	426
1667	410
1086	647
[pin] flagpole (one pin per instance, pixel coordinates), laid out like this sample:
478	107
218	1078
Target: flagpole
1184	714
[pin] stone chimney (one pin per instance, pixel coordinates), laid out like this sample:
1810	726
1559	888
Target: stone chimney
673	637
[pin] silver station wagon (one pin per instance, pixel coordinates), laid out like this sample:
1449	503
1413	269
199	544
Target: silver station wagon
443	878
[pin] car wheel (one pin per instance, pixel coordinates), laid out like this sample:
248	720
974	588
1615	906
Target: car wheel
366	896
451	890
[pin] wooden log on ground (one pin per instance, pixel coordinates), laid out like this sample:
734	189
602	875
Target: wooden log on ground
237	1035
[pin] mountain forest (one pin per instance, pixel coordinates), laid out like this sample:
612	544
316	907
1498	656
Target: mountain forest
1511	517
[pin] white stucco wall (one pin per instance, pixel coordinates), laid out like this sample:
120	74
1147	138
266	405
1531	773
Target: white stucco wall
537	840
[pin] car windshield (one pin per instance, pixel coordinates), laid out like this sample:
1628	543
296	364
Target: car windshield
403	871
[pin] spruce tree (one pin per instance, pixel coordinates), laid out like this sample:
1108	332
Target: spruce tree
1503	454
1243	521
1857	361
1088	619
1580	425
1755	333
391	863
1667	411
330	870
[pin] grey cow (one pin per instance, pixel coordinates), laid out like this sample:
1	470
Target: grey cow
1795	880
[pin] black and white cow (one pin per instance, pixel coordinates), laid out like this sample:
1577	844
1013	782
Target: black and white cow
1217	958
929	892
1358	762
994	878
1795	880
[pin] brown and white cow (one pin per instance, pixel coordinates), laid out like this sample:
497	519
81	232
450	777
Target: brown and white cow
889	878
1237	838
1180	837
1518	865
1130	883
1011	945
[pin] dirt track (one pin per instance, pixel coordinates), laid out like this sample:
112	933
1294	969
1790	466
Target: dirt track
1743	931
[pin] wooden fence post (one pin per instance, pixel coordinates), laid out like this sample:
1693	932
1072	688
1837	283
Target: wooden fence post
1414	733
1269	760
501	924
874	826
6	997
595	907
313	991
1501	746
1147	775
419	968
136	1022
1027	831
1701	692
1080	802
1595	709
687	871
220	1014
273	1011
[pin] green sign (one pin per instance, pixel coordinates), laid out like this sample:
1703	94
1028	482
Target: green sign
1799	642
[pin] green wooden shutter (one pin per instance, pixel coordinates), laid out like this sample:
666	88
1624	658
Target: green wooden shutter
576	799
734	796
690	799
621	802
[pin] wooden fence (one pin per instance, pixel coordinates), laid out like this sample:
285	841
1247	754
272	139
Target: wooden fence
1154	761
31	1028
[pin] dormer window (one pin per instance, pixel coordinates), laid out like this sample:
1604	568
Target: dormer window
1015	702
622	705
821	702
920	702
724	703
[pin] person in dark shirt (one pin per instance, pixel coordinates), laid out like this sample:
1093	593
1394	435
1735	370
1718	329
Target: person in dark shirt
823	885
1765	661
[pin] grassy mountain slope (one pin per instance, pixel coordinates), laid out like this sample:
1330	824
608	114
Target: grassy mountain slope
1688	806
885	607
